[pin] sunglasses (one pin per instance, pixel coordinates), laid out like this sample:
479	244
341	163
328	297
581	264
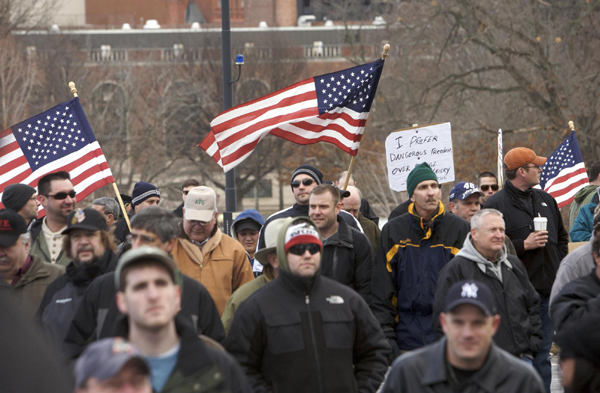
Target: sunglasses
63	195
300	249
486	187
306	182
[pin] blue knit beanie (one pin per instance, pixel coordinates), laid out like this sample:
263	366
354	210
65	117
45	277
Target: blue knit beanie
143	191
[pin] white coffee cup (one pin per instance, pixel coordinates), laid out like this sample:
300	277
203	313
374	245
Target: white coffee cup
540	224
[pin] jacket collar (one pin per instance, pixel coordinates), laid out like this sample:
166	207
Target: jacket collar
425	226
341	237
192	356
303	209
470	252
298	285
437	372
197	253
36	271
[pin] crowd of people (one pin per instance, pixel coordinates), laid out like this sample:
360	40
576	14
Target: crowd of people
463	296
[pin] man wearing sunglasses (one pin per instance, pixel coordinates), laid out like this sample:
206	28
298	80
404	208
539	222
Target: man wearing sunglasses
304	179
488	184
541	251
304	332
58	197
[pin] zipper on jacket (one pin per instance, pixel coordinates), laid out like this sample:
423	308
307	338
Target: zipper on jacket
314	341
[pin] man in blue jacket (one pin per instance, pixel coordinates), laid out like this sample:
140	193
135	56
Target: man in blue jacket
415	247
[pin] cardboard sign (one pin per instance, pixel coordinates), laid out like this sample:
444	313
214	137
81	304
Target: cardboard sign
407	148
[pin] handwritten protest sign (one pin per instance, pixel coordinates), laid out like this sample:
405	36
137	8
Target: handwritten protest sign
408	148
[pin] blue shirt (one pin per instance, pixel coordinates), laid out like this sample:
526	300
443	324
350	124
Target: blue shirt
162	366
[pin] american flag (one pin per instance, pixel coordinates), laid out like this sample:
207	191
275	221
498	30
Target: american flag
327	108
59	139
564	172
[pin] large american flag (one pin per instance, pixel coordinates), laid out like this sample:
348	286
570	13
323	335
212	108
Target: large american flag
327	108
59	139
564	172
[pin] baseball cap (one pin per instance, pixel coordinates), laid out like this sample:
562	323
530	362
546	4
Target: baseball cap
247	223
88	218
471	292
104	359
463	190
521	156
271	233
200	204
12	225
145	253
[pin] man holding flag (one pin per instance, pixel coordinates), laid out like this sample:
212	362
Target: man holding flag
541	251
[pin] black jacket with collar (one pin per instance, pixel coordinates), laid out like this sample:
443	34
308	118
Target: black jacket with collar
199	367
426	371
96	315
541	263
517	301
578	298
348	259
299	335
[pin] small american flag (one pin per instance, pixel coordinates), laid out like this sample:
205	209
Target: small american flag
327	108
564	172
59	139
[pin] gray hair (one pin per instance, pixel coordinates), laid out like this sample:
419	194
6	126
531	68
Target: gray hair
110	206
477	219
158	220
25	237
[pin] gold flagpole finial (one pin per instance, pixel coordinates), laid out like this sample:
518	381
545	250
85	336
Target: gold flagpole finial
73	89
571	125
386	49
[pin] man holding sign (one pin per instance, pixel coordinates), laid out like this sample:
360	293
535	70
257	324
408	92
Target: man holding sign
415	246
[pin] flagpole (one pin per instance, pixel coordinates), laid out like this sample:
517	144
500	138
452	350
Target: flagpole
115	188
384	54
571	125
500	159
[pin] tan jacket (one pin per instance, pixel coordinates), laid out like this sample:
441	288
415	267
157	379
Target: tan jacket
221	265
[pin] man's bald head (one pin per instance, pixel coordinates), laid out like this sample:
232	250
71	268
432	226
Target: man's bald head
352	202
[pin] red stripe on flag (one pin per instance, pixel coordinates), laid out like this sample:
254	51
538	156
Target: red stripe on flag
4	150
303	141
288	117
275	93
5	133
17	179
9	166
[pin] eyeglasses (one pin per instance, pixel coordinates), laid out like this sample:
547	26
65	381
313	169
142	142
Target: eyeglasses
486	187
201	223
306	182
63	195
132	238
300	249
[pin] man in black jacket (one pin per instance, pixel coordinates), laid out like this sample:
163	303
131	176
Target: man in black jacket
179	361
580	296
304	179
466	359
540	251
92	251
347	254
306	333
97	314
484	258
